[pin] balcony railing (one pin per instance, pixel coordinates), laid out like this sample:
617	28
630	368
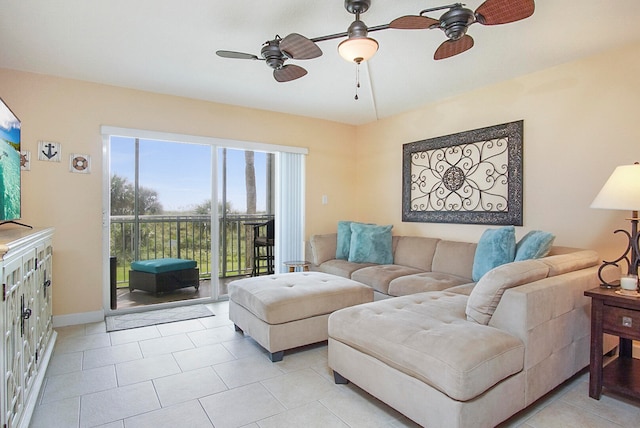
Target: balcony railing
184	236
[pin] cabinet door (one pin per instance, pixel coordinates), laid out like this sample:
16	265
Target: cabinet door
12	338
29	310
43	295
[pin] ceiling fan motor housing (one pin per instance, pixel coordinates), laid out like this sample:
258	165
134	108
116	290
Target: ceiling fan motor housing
272	54
357	29
456	21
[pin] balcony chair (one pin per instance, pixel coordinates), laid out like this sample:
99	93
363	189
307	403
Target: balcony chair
263	242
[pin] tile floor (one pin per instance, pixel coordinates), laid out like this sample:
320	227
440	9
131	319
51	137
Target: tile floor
201	373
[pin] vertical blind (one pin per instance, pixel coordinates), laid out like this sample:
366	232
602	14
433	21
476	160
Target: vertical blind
289	223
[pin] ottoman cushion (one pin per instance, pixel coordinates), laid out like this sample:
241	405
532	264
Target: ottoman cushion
162	265
286	297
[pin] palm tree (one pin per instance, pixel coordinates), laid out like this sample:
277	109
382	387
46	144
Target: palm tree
250	180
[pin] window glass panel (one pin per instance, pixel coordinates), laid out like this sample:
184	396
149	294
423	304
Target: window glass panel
162	207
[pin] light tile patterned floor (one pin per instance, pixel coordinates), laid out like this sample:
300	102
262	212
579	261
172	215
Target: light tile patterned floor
201	373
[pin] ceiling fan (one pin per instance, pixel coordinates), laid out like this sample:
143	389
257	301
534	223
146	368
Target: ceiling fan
359	47
457	20
275	52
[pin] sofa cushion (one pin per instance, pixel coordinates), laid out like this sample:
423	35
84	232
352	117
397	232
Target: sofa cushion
379	276
424	281
563	263
534	245
487	293
455	258
341	268
495	247
277	299
427	336
415	251
371	244
324	248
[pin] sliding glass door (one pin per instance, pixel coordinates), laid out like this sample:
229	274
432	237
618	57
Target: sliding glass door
245	205
160	207
159	190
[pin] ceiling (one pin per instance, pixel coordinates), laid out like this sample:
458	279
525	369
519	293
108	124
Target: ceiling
168	47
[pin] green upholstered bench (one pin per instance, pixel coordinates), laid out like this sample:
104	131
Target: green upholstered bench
162	275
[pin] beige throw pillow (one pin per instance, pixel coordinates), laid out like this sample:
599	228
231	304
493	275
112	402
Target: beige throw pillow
324	247
487	293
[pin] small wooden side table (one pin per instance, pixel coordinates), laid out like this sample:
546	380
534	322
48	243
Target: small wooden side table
298	265
620	316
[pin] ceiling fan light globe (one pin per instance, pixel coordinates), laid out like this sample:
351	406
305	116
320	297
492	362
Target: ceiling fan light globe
358	49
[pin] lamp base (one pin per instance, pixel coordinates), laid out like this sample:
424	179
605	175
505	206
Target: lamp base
631	254
609	286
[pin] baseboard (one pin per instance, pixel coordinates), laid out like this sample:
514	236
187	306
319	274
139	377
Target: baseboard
80	318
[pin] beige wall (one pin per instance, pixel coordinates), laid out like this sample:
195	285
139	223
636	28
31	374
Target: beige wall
579	124
71	113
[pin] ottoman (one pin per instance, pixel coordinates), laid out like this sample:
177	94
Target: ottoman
162	275
288	310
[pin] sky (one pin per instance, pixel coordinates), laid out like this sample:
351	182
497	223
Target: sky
181	173
9	124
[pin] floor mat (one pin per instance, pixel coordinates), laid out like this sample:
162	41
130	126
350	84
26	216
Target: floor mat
161	316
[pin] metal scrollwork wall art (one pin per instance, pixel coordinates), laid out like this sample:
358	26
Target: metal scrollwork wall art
472	177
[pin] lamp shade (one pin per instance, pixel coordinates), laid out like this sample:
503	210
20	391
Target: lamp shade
621	191
358	49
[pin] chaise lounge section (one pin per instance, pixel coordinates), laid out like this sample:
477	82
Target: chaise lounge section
444	358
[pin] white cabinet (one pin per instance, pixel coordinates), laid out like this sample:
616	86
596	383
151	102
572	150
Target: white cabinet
25	319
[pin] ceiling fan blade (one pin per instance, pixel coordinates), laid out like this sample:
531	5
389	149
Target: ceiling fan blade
297	46
494	12
450	48
413	22
235	55
288	73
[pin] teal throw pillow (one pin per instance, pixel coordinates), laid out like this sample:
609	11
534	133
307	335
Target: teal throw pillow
344	240
371	244
534	245
496	247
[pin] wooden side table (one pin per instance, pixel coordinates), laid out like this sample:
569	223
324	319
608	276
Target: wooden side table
620	316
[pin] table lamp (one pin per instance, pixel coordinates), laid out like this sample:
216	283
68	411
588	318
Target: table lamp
622	192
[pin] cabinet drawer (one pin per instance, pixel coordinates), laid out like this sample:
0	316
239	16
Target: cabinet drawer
622	322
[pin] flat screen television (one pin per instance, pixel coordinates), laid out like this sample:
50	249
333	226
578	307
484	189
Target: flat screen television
9	165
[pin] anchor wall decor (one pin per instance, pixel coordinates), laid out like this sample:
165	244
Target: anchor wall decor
49	151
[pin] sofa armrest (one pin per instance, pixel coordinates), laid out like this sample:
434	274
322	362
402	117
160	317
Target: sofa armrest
526	308
552	318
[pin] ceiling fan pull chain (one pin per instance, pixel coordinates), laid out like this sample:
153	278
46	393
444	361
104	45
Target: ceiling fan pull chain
357	80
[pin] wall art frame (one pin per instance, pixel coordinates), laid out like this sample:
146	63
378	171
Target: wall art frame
472	177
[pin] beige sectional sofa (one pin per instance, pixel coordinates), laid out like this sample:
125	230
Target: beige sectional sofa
451	352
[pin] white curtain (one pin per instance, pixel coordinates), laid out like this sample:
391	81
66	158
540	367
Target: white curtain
289	245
